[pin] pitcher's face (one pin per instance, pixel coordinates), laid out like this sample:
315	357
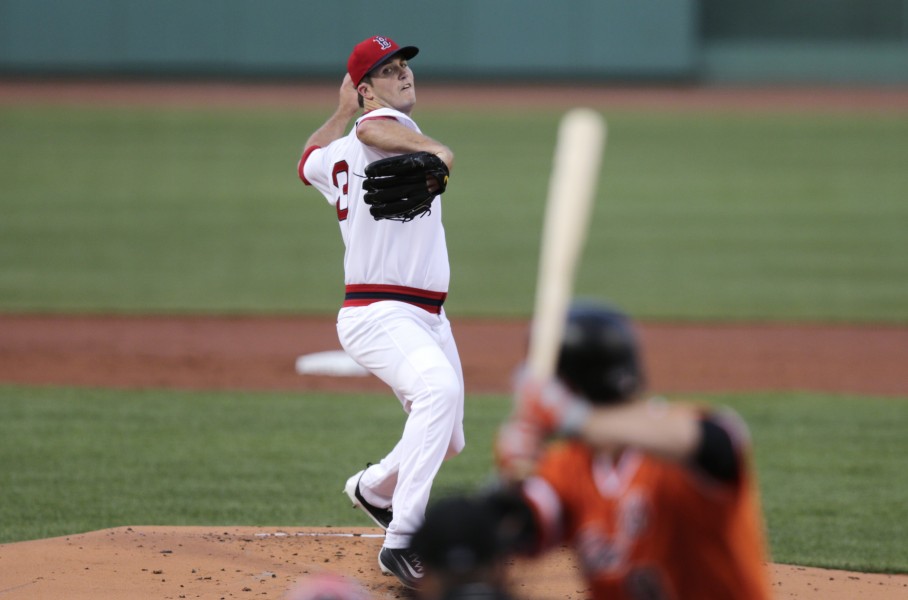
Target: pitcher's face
393	86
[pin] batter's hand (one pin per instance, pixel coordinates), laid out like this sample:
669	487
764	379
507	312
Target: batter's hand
517	447
550	405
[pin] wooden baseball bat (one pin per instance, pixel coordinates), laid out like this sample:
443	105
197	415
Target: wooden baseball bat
572	187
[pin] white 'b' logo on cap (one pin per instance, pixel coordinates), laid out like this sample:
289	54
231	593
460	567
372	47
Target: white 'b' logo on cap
383	42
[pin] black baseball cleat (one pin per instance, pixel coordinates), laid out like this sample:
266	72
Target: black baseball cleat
403	564
381	516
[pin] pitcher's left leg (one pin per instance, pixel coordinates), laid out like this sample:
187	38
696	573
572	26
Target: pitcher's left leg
435	398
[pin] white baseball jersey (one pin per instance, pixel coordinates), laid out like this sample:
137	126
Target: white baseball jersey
383	259
408	344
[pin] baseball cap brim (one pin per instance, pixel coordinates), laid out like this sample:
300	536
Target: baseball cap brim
407	52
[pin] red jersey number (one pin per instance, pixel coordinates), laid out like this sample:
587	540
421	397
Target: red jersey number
339	174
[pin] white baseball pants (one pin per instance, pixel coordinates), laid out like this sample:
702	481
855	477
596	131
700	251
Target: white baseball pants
413	351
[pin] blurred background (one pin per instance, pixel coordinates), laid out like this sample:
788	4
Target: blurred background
709	41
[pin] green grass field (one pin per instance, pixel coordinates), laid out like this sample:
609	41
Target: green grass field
700	217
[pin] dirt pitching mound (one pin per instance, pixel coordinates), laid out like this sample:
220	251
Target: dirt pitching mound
245	562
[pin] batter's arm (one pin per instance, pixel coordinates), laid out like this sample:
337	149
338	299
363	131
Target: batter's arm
336	125
652	427
389	135
710	441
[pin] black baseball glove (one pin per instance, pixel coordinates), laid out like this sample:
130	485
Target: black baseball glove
397	188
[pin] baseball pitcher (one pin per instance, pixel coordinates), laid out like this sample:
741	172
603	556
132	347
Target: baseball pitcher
384	180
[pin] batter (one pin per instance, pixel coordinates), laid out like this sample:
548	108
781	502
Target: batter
658	499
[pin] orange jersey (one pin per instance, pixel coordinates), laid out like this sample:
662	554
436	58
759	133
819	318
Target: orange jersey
643	528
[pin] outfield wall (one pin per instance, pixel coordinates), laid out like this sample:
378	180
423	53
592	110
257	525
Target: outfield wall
851	41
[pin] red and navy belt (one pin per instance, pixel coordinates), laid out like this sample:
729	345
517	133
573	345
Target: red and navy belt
363	294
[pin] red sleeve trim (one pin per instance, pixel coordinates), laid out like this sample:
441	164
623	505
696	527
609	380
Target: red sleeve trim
302	162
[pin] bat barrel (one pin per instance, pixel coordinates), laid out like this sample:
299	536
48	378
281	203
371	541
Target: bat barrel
572	187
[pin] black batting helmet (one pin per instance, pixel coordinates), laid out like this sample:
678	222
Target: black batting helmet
599	357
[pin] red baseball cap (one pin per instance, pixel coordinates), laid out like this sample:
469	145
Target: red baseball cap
372	52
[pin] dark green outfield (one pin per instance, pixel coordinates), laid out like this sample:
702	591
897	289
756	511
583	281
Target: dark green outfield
719	216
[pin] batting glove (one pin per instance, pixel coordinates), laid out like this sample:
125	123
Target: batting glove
550	405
